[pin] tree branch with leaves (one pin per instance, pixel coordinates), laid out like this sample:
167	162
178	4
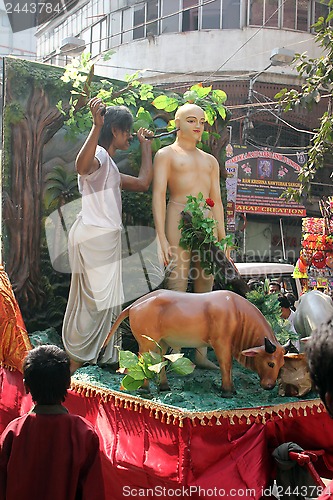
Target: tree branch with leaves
317	74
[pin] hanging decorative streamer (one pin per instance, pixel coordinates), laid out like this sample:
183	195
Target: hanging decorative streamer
177	416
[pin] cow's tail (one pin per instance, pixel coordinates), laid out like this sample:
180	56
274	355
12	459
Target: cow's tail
123	315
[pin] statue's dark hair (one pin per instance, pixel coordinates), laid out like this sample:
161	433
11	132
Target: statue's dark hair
319	350
292	299
46	372
118	117
284	302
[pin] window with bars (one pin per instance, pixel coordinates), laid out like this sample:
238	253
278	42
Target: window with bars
286	14
190	15
96	39
231	14
151	17
127	24
145	19
170	14
211	15
115	27
139	21
271	13
321	9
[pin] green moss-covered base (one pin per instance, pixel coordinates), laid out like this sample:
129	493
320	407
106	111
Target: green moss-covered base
198	392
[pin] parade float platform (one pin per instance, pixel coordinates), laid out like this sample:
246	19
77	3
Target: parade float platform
187	443
153	449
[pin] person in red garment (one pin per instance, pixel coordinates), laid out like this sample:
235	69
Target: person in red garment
49	453
319	351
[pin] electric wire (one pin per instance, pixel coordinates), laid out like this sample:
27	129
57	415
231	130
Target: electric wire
286	123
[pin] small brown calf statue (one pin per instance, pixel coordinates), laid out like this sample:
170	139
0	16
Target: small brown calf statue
227	322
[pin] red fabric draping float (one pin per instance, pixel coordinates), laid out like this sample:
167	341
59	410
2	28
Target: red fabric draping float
153	450
147	447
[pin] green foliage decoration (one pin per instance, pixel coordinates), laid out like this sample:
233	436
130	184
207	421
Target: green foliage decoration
200	234
13	114
137	208
24	75
145	103
55	286
143	99
148	366
60	187
269	306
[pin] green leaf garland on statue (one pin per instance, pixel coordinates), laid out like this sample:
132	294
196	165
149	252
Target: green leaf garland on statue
200	233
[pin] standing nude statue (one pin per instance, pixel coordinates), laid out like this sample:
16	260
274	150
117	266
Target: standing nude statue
184	170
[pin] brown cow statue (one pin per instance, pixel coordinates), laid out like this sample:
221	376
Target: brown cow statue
227	322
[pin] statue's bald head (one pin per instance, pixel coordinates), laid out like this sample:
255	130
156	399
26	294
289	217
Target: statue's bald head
187	109
186	116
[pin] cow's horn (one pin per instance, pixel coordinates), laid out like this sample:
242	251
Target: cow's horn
269	346
289	347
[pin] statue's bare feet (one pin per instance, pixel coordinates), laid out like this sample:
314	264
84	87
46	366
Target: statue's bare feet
164	387
74	365
145	388
201	360
228	393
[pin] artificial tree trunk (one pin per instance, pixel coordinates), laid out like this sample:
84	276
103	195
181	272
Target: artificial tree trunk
22	208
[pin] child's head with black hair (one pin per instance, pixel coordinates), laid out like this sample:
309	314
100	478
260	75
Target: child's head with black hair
115	118
46	373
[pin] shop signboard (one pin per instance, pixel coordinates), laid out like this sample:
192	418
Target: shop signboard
262	177
231	186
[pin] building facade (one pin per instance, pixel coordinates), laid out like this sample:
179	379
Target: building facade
208	27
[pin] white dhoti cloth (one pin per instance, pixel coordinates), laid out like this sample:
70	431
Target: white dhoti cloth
96	293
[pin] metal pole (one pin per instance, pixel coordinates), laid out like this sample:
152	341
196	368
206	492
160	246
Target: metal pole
244	239
282	241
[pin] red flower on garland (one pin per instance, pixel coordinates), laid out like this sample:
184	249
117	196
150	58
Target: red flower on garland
210	202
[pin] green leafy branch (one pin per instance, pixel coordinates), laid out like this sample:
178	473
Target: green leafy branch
318	76
270	307
143	101
198	231
211	101
80	75
148	366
